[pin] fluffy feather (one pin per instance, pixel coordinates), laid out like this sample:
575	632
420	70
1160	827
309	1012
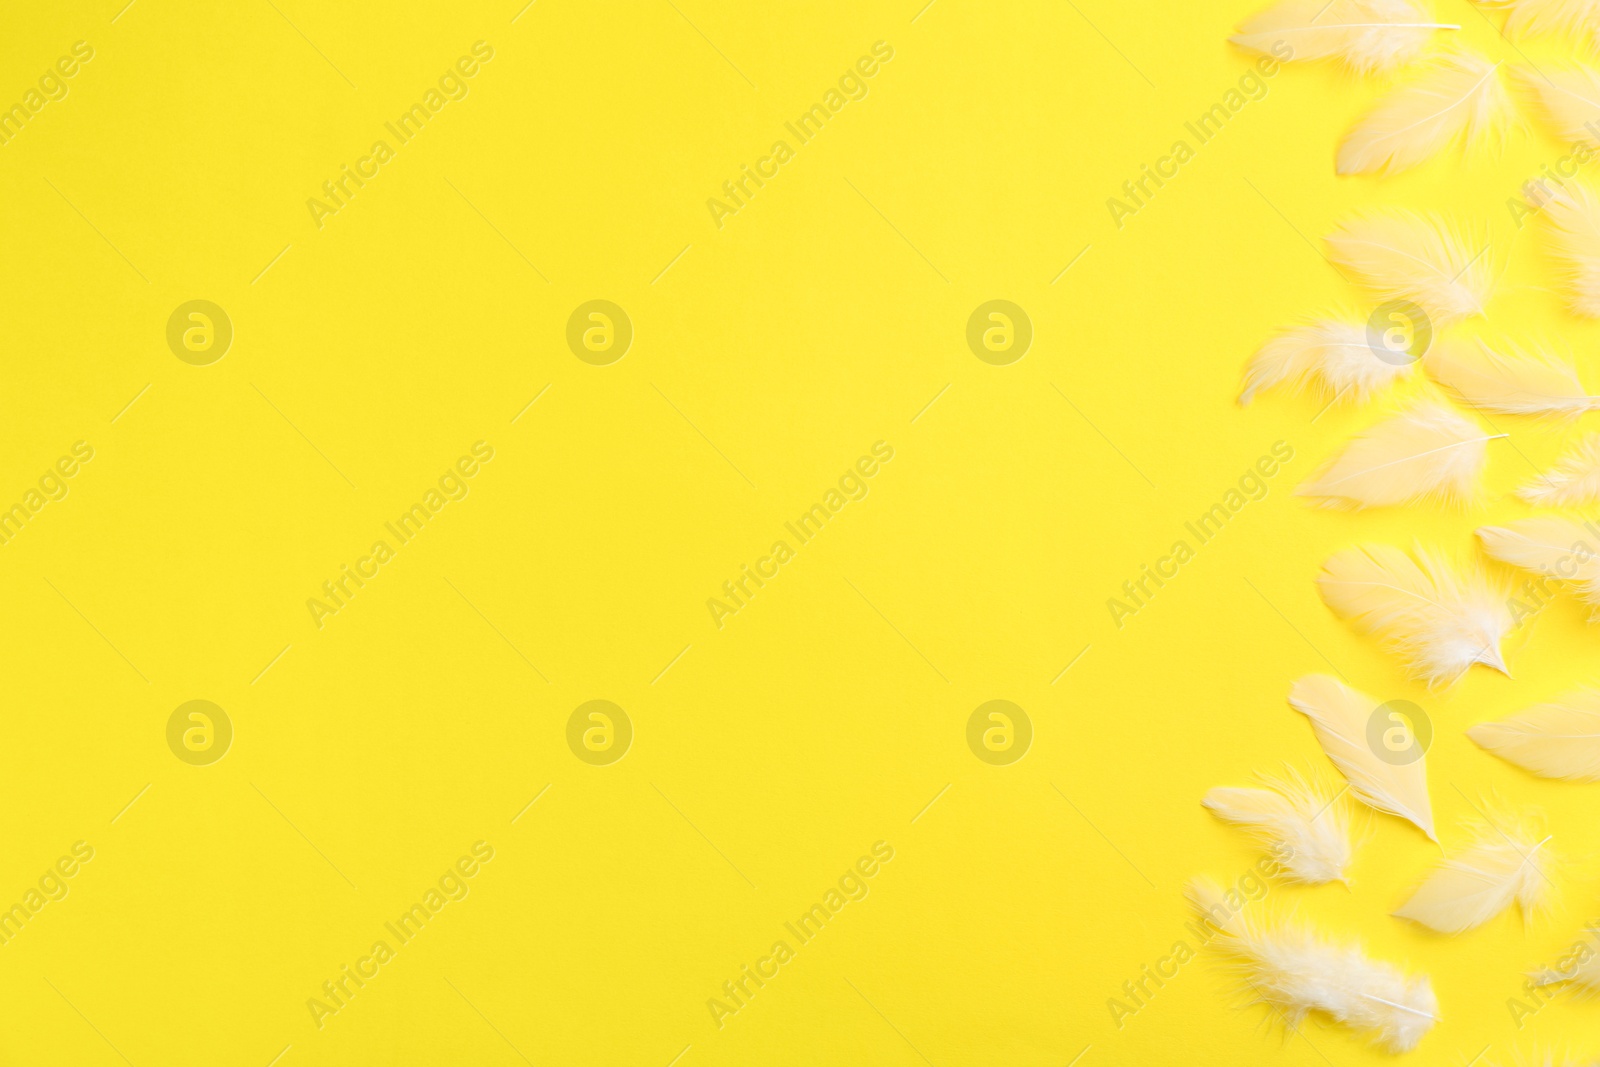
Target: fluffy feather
1429	451
1421	258
1336	357
1567	99
1553	548
1368	36
1524	18
1506	863
1441	620
1297	972
1572	226
1574	480
1560	739
1510	383
1304	826
1459	98
1339	717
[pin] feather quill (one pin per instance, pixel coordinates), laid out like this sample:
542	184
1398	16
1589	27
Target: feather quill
1304	826
1368	36
1567	99
1515	383
1335	357
1459	98
1524	18
1429	451
1339	717
1572	218
1574	480
1438	618
1506	863
1551	547
1560	739
1421	258
1296	972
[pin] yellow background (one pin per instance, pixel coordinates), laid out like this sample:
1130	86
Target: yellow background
830	711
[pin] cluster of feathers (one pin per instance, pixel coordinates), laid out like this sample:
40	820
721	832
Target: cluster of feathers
1438	614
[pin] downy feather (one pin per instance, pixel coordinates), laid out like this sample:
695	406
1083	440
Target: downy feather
1506	863
1429	451
1567	99
1574	480
1305	826
1368	36
1425	259
1335	357
1339	716
1525	18
1561	549
1459	98
1560	739
1582	969
1297	972
1438	618
1572	225
1512	382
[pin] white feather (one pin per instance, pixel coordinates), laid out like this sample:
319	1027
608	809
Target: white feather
1304	825
1458	99
1297	972
1566	98
1560	739
1437	618
1368	36
1553	548
1506	863
1335	357
1429	451
1572	221
1339	717
1574	480
1580	18
1421	258
1511	383
1581	969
